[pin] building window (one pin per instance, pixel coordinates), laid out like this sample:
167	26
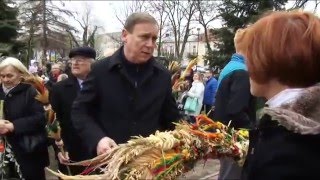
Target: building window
194	50
171	50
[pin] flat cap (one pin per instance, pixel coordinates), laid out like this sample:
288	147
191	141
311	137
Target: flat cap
83	51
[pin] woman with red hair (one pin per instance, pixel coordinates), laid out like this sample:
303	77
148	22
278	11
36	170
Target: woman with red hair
283	59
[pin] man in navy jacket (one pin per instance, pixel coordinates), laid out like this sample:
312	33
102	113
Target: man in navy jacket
209	91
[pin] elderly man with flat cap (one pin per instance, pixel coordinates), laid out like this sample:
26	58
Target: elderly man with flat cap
62	96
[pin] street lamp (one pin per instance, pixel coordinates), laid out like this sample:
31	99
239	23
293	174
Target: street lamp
198	29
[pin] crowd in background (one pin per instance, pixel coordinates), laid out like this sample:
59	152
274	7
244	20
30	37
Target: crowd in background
51	72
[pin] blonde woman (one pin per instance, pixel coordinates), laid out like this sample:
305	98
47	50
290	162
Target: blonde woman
23	123
196	91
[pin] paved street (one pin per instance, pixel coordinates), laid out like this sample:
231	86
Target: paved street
208	170
204	170
53	165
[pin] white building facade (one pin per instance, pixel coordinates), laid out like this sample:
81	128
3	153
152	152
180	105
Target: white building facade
108	43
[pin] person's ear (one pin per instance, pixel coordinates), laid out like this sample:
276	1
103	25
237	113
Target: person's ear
124	35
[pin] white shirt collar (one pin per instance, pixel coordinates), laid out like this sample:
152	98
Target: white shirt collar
284	97
80	81
7	90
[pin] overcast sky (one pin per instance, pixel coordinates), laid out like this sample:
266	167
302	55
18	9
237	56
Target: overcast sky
103	12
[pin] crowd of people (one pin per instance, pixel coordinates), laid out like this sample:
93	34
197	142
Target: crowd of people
51	72
101	104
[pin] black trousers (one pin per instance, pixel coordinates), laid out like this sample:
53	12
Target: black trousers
33	167
33	173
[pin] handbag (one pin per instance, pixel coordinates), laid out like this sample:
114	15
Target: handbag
191	104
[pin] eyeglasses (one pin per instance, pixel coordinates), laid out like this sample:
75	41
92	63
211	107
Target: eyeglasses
78	59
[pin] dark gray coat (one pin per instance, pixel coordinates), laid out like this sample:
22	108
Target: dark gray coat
62	95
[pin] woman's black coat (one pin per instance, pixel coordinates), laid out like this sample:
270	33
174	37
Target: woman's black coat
276	153
27	115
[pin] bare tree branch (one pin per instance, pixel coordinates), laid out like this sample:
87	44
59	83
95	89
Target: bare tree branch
88	30
299	4
73	38
188	13
180	14
119	19
129	8
91	38
205	16
116	39
158	8
317	2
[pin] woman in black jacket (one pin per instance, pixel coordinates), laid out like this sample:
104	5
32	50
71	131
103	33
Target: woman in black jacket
23	122
283	60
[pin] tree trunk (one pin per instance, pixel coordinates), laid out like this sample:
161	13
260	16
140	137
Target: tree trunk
29	50
160	40
73	40
63	53
44	26
185	40
30	40
85	36
207	39
50	55
187	33
177	43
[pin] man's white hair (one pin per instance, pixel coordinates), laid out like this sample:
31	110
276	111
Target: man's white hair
15	63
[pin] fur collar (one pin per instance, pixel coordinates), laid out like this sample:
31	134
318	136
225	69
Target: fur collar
302	115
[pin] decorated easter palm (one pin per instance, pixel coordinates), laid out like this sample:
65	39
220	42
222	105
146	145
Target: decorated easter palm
168	154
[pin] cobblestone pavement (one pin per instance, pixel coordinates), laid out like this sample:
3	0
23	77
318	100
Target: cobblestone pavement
203	170
53	165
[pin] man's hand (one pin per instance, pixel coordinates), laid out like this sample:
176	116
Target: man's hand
59	143
63	158
105	145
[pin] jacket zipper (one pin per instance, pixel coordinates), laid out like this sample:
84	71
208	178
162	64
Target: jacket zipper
136	83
